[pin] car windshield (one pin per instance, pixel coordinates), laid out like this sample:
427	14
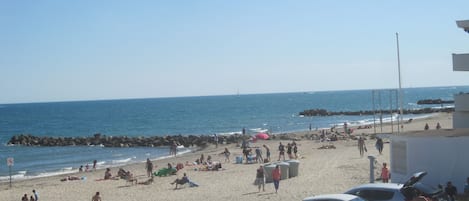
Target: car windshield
426	189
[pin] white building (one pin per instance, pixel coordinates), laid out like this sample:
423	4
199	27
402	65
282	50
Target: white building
443	154
461	101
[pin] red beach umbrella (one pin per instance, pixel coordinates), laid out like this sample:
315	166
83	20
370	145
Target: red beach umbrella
263	136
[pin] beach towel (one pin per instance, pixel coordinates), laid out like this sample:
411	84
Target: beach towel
193	184
164	172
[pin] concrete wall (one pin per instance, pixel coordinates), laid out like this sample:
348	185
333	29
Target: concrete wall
461	114
443	158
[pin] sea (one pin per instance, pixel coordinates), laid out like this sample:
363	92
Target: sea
204	115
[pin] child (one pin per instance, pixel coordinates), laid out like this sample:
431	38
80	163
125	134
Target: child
385	173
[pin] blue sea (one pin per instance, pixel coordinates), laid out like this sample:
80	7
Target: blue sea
206	115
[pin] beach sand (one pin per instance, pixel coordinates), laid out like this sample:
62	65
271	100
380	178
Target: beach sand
321	171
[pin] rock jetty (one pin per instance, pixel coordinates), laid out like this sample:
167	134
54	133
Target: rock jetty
121	141
323	112
434	101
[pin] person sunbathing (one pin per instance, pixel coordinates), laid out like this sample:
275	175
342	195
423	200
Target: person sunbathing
70	178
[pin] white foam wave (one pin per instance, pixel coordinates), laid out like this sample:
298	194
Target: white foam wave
67	168
121	161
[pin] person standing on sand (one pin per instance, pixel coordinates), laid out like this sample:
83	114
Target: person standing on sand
438	126
385	173
96	197
426	126
215	139
276	177
36	196
361	146
267	152
289	150
259	158
379	145
260	181
281	150
94	164
149	167
295	151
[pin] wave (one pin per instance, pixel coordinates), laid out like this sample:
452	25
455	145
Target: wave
22	175
126	160
13	177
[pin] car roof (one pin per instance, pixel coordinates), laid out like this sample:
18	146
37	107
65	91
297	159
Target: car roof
393	186
333	196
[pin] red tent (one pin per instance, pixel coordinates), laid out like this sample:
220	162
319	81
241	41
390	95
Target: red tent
262	136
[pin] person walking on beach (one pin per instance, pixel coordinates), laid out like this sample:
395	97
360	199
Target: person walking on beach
260	181
289	150
259	157
385	173
227	155
361	146
96	197
149	167
36	196
267	152
379	145
295	151
276	177
215	139
426	126
281	150
438	126
94	164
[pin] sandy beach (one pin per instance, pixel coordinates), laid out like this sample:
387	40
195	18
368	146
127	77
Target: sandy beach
321	171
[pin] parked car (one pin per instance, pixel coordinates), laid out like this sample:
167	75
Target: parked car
394	191
334	197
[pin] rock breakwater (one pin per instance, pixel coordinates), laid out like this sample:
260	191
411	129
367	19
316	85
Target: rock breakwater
121	141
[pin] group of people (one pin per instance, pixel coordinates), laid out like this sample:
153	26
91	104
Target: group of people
438	126
87	167
362	145
258	155
292	150
33	197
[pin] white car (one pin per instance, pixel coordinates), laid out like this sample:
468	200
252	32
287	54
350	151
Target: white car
334	197
393	191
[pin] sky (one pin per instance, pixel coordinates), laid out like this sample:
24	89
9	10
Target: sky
112	49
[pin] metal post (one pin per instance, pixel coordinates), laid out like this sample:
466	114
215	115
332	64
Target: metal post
9	167
380	112
400	86
390	110
372	169
374	111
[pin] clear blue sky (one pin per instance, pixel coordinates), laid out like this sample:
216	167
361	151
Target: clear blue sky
109	49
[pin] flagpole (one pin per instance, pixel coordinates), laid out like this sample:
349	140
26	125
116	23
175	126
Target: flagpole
401	115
